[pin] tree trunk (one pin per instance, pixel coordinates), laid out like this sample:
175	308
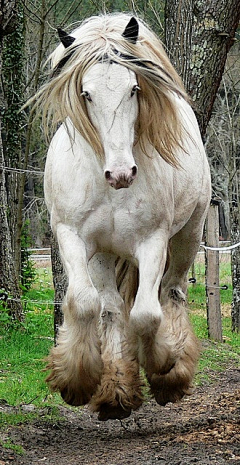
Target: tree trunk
12	96
234	203
199	34
7	17
235	264
60	286
9	287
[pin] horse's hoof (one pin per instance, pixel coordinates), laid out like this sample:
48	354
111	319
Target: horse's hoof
164	398
74	399
167	368
164	392
107	412
172	396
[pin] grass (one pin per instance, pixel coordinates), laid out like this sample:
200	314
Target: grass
22	379
197	293
23	349
8	444
215	356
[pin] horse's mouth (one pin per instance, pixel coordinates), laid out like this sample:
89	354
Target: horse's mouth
122	185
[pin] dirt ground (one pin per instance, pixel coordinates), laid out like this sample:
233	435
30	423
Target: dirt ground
203	429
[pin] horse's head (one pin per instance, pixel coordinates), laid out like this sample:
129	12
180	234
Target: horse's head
102	63
110	91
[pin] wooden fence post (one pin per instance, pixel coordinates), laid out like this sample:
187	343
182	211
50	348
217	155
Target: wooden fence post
212	274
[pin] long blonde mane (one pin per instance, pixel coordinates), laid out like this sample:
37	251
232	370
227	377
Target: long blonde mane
100	36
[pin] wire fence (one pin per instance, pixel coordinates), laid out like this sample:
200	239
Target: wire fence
42	259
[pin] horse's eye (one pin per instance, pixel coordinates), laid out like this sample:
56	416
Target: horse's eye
134	90
86	95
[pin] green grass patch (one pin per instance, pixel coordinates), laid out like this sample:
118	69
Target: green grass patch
197	292
197	295
19	415
215	356
23	352
8	444
15	418
24	348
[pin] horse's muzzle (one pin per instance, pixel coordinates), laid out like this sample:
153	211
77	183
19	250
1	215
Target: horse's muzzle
120	179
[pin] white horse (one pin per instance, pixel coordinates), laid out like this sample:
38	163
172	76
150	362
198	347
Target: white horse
127	186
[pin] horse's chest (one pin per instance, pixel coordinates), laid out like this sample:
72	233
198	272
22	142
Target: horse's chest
117	226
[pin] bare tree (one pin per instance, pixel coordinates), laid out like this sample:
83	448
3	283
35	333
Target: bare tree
199	35
223	147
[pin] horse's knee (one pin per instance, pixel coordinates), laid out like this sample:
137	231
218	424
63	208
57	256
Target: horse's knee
145	320
83	304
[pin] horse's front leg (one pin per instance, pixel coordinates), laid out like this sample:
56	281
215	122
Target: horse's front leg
75	362
120	389
146	325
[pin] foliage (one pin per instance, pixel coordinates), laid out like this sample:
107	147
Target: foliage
6	319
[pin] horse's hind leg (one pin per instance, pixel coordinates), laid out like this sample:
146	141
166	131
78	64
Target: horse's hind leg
173	385
75	362
120	388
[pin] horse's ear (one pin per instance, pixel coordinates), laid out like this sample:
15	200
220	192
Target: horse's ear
65	38
131	31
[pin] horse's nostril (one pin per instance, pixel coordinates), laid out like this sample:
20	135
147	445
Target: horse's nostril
107	174
134	170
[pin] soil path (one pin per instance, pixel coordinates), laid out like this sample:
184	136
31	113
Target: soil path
203	429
